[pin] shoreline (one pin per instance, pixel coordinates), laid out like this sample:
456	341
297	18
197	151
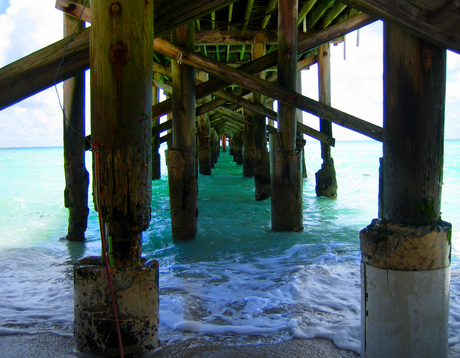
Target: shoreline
49	345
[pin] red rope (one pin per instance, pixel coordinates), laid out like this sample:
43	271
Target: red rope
96	147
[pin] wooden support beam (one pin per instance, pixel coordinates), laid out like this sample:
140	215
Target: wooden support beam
162	127
285	169
271	6
324	89
262	158
272	90
75	9
304	10
240	118
42	69
166	138
230	15
76	175
163	70
410	18
332	14
39	70
299	141
247	13
235	37
182	174
156	157
305	64
326	181
270	60
406	256
121	98
236	96
318	12
163	86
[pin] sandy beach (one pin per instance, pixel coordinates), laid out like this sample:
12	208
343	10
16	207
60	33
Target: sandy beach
53	346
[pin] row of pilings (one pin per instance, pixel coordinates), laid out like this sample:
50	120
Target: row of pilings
406	251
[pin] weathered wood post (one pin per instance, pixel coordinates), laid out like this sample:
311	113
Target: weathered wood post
204	154
224	143
237	145
121	101
326	181
300	120
76	175
183	188
205	159
286	176
215	144
262	158
406	255
156	157
248	146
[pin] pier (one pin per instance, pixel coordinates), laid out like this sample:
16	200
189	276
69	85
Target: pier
222	64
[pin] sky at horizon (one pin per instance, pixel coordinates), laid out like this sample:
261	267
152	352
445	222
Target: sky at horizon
356	71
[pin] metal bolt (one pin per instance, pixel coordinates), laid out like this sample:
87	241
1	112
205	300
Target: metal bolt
115	8
118	54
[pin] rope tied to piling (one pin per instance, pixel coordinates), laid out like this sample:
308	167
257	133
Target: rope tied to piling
96	149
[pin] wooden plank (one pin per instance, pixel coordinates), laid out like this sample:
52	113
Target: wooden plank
318	12
171	14
287	72
163	70
163	86
235	116
168	14
271	6
74	9
311	132
270	60
42	69
324	84
244	79
38	71
162	127
408	17
166	138
333	12
76	176
304	10
213	37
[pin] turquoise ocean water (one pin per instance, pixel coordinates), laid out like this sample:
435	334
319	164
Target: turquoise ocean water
237	280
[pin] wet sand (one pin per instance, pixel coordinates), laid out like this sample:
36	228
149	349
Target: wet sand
53	346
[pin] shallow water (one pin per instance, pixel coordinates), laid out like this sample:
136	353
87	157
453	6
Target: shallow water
237	278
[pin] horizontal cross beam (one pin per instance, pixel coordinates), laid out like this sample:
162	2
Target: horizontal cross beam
254	83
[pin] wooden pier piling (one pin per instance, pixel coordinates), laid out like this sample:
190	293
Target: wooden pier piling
183	188
121	128
76	175
248	146
326	181
156	156
262	157
286	176
406	254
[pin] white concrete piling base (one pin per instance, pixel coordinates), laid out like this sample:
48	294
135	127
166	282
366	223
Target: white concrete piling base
405	275
136	293
404	313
